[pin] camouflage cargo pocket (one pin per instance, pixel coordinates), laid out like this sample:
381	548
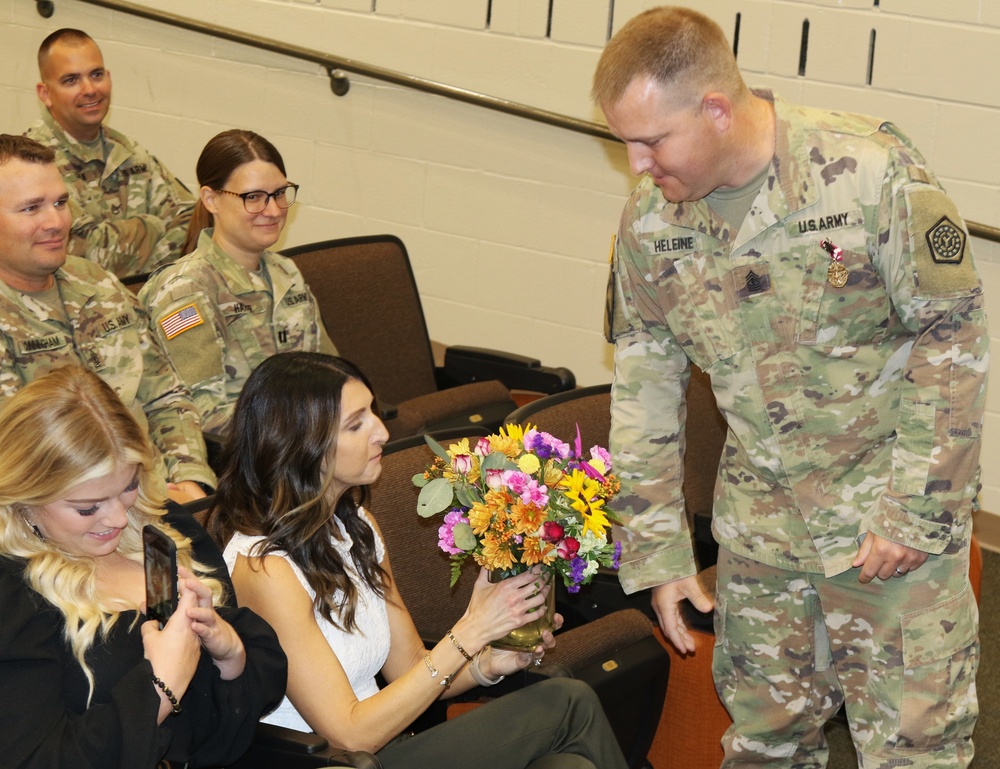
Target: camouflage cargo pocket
940	656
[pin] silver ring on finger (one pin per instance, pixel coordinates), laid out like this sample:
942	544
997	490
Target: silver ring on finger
899	573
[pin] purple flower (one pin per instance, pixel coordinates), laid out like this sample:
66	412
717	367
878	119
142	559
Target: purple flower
446	532
616	559
560	448
576	568
545	445
534	441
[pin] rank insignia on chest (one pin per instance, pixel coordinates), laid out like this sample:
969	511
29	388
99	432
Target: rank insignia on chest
751	281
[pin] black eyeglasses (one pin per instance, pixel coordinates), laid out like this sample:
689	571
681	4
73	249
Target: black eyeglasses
255	201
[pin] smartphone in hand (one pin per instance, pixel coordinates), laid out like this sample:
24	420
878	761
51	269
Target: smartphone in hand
160	556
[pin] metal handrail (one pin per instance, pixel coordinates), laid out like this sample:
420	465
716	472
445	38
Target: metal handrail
339	83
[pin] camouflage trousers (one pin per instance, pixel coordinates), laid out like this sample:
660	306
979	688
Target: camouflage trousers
901	655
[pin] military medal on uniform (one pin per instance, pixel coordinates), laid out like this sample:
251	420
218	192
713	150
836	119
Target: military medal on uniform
837	272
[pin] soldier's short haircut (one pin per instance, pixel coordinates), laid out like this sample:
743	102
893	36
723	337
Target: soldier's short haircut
23	148
673	46
66	34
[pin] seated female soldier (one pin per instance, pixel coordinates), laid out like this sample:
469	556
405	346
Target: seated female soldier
221	310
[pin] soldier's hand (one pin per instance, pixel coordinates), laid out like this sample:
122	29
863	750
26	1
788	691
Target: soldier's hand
184	491
666	600
885	559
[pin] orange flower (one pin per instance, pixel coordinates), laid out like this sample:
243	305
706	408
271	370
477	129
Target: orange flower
535	551
496	555
480	518
526	518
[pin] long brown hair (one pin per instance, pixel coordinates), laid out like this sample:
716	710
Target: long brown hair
224	153
275	483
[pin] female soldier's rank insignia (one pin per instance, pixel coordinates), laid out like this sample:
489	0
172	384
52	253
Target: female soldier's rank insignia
837	273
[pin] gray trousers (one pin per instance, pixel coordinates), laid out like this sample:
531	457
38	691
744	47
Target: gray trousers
554	724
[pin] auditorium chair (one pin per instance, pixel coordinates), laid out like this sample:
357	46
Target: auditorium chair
371	309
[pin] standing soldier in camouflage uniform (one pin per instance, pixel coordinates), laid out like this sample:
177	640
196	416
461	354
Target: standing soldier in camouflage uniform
224	308
130	214
811	264
57	309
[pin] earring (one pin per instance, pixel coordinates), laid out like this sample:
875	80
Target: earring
34	528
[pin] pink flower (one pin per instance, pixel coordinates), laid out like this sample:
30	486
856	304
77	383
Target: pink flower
446	532
552	531
601	453
568	548
535	494
482	447
494	479
516	481
462	463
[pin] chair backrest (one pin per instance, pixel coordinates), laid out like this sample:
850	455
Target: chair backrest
560	414
590	408
370	306
422	570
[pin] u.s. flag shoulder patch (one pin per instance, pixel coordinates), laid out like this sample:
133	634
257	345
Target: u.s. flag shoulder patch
178	322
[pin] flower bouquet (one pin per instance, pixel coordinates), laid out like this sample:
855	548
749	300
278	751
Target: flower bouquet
522	497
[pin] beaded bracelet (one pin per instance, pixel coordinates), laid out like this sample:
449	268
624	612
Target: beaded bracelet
175	706
459	646
477	672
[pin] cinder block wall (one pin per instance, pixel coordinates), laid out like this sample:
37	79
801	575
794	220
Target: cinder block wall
509	222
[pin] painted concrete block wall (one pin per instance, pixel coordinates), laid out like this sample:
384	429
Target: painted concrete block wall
508	222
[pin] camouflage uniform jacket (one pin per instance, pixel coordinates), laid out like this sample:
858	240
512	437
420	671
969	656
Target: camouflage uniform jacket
130	214
107	334
218	322
850	409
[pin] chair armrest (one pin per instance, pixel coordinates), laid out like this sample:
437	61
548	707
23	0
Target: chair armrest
272	736
518	372
291	749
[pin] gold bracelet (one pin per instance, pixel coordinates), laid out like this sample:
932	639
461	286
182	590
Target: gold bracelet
430	665
459	646
446	681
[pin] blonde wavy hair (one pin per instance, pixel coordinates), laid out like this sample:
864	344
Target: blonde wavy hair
63	429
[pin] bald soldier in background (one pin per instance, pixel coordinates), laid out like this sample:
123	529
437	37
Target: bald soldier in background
812	265
130	214
57	310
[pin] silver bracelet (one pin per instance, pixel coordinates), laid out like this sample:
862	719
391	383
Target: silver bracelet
477	672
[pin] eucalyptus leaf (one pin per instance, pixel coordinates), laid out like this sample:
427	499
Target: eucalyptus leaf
467	496
437	448
435	497
420	480
495	461
464	538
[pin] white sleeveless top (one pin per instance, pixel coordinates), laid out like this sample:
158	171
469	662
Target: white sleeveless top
361	653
